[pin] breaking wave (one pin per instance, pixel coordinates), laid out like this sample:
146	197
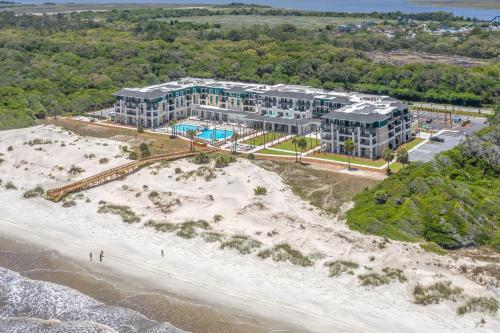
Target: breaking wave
42	307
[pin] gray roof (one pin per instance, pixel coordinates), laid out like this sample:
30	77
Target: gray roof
282	121
363	117
289	94
141	94
236	89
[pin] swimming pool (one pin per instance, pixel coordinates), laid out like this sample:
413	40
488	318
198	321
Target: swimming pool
183	128
205	134
208	134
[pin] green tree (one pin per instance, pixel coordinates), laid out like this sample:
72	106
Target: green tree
191	134
349	148
302	144
403	156
144	149
235	138
388	156
295	141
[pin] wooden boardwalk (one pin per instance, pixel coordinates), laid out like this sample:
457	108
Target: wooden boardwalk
57	194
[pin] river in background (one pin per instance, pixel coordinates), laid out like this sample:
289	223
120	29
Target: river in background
362	6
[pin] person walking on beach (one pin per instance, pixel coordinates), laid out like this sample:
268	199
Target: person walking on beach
90	256
100	256
162	253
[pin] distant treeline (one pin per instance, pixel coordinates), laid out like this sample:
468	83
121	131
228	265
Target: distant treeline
72	63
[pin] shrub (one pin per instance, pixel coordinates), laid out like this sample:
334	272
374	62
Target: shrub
432	247
435	293
140	129
284	252
388	275
479	304
127	215
221	161
36	192
201	158
212	237
10	186
218	218
74	170
337	267
251	156
133	155
259	190
103	160
381	197
178	170
69	203
10	148
144	149
243	244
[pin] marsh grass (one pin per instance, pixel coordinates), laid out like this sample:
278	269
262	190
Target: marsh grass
242	243
74	170
260	190
126	213
338	267
33	193
387	276
212	236
284	252
436	293
187	230
479	304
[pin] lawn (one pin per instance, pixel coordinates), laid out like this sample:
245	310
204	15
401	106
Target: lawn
354	160
264	138
275	152
288	145
412	143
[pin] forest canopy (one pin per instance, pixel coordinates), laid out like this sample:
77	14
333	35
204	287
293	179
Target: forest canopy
72	63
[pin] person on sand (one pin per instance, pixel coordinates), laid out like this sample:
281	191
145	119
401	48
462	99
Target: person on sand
100	256
162	253
90	256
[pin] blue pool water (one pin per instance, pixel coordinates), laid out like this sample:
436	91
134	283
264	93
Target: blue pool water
183	128
205	134
215	134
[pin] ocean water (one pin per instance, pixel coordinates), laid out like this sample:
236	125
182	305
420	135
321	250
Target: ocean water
33	306
44	292
323	5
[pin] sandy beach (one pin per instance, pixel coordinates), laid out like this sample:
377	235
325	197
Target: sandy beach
281	294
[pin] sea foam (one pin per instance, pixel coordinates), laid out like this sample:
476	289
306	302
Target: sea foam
38	306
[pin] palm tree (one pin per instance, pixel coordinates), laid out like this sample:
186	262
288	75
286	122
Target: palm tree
388	156
302	143
191	133
349	148
172	124
235	138
295	141
403	156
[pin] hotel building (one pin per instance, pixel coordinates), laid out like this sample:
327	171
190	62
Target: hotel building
372	122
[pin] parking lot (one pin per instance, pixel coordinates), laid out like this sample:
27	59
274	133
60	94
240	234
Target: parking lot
426	152
452	136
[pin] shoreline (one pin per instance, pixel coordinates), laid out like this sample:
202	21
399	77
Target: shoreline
305	298
110	287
